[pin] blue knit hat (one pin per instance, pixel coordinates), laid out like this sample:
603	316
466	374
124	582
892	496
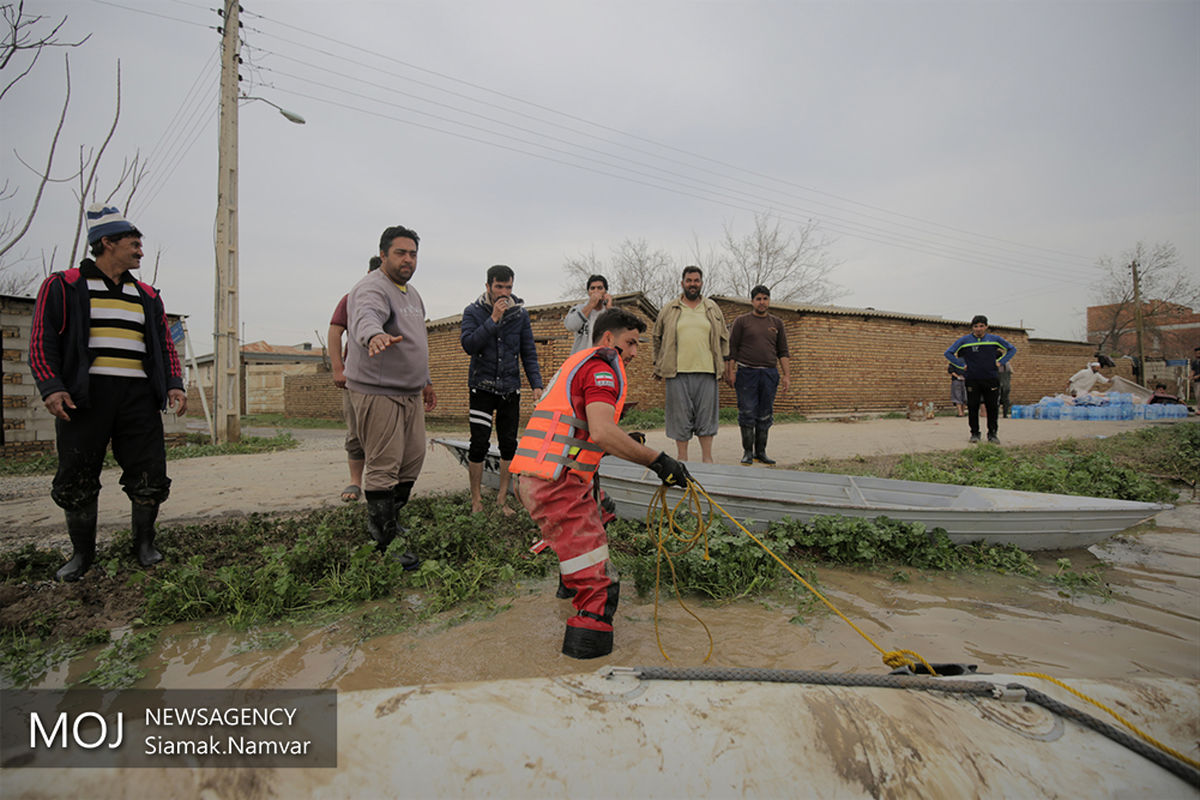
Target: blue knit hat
104	221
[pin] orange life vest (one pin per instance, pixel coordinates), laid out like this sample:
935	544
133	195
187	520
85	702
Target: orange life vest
555	440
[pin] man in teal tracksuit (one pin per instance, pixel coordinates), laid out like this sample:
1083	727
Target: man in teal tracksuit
980	353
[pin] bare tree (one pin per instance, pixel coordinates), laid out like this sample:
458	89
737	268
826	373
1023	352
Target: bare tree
1166	287
794	264
632	267
27	35
26	38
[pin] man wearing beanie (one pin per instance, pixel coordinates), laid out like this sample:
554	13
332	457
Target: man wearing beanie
980	353
102	355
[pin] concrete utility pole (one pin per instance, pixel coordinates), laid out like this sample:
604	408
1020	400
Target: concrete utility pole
227	360
1137	307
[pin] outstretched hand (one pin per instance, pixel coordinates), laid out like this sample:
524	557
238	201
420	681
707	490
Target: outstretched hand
380	342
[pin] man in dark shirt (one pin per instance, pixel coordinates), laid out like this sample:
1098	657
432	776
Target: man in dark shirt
105	364
980	353
757	342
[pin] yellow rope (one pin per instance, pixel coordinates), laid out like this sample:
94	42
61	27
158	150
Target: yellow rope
1145	736
667	527
691	497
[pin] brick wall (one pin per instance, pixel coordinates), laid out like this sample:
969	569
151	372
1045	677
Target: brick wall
312	395
449	365
843	361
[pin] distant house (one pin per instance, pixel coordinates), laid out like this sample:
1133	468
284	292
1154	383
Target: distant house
264	368
1171	330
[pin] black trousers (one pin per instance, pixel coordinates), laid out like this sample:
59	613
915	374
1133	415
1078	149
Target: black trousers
988	391
507	411
125	412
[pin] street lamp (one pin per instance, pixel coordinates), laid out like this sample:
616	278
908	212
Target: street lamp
290	116
227	362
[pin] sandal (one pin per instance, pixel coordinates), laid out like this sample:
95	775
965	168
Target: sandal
351	494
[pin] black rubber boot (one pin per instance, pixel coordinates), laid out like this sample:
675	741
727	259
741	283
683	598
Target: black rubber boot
142	521
747	445
381	518
586	643
81	527
400	494
760	445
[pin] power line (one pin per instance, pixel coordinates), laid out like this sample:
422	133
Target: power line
1079	259
643	180
153	13
837	224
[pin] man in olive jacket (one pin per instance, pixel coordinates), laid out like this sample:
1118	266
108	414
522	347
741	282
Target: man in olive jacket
691	343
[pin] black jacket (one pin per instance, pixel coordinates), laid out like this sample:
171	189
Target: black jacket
58	347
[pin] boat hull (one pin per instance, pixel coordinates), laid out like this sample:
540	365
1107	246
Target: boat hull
757	496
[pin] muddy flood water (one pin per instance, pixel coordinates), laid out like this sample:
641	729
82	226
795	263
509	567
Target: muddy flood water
1149	626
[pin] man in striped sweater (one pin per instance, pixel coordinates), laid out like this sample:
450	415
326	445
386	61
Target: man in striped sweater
102	355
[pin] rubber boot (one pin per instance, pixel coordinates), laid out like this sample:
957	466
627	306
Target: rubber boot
586	643
142	521
400	494
760	445
747	445
581	642
81	527
381	518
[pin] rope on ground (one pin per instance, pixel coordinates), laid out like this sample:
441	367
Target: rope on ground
1145	736
660	520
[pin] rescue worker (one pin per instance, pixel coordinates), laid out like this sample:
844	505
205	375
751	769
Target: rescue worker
571	428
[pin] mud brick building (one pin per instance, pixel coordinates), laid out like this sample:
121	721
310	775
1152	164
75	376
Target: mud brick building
27	427
1171	331
851	360
264	370
844	361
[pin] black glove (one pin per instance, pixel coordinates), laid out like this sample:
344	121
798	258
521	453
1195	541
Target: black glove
638	437
670	471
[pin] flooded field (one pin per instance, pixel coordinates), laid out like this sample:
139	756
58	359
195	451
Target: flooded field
1147	624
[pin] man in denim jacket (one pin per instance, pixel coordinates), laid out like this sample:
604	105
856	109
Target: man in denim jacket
497	334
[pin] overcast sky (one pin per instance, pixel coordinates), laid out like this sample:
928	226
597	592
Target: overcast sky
967	157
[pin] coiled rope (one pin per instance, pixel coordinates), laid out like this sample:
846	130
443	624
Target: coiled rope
661	521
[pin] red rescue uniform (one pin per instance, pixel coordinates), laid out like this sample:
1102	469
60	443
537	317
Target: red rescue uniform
557	462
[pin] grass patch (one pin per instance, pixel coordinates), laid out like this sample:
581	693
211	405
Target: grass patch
1135	465
195	446
1071	582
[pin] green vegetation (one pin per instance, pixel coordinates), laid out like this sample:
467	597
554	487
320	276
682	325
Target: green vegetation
194	446
1137	465
1071	582
260	574
116	667
1091	474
